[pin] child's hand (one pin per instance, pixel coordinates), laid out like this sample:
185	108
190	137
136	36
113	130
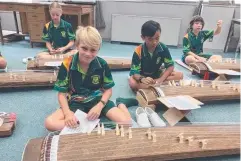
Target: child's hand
148	80
158	81
52	51
219	23
60	50
94	113
70	120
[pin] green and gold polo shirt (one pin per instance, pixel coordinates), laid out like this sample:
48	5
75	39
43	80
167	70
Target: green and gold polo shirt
194	43
58	36
148	64
71	78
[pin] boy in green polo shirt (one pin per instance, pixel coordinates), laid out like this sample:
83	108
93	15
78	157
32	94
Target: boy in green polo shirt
58	34
148	59
194	39
3	62
85	82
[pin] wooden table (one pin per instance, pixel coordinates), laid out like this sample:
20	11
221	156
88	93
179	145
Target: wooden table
34	16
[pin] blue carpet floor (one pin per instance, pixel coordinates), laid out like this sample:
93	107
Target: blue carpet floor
33	106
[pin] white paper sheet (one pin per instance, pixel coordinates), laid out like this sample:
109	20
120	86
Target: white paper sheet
183	64
182	103
226	71
53	63
84	126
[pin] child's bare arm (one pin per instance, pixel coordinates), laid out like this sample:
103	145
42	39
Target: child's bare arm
219	27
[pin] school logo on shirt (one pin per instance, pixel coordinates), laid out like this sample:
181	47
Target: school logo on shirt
63	33
95	79
158	60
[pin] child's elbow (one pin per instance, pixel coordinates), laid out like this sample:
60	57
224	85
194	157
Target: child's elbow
72	42
110	90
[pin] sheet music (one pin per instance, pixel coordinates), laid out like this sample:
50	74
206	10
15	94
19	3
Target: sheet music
182	103
226	71
53	63
84	126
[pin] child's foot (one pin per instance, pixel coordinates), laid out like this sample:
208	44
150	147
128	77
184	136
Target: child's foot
127	101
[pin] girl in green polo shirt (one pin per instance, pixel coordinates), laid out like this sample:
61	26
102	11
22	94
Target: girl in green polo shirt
58	34
85	82
194	39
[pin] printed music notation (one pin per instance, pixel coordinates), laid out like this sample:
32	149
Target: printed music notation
227	72
84	126
182	103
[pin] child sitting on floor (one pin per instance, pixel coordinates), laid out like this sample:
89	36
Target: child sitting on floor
148	59
85	82
58	34
194	39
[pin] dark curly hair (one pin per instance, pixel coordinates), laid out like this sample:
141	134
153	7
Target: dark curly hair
196	18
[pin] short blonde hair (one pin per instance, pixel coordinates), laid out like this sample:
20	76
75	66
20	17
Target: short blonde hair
89	36
55	5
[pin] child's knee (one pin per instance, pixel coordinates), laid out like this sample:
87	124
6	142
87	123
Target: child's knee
125	120
48	123
3	64
123	117
180	75
189	59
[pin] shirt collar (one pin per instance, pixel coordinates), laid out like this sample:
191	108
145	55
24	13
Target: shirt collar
192	34
61	24
94	64
157	50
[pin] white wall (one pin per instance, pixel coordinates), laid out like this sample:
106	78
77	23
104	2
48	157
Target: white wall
211	14
155	9
145	8
183	10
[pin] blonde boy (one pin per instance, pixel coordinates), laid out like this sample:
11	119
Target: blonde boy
85	82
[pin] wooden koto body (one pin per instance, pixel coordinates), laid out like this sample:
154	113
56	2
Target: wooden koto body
202	67
22	79
208	91
114	63
169	143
